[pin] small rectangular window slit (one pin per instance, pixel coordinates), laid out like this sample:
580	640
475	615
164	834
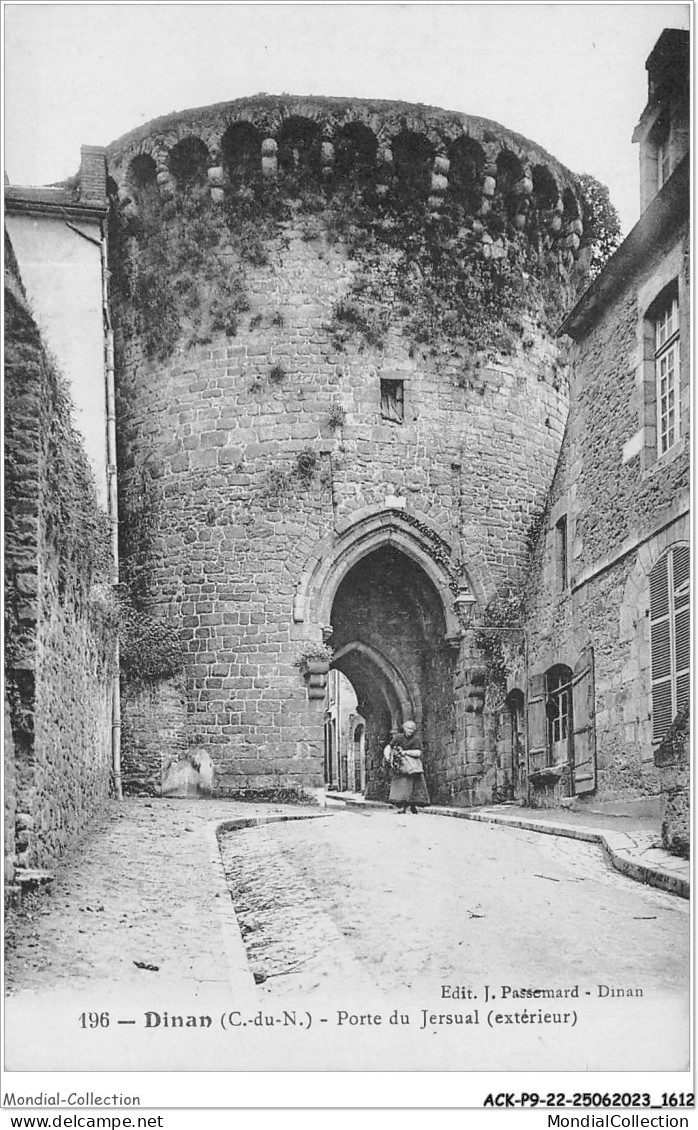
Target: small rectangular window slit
393	400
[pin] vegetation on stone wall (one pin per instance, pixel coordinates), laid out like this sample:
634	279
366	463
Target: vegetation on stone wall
280	482
313	653
535	530
174	275
449	279
430	274
602	233
505	611
75	524
45	453
60	623
150	648
179	265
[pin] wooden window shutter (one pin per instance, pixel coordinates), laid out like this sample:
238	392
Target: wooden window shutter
660	633
681	571
537	723
670	637
583	711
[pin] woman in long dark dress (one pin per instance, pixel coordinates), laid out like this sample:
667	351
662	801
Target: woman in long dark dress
408	788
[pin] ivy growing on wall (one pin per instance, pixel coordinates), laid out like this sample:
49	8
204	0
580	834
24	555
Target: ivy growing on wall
449	279
602	232
174	274
150	647
430	274
504	611
57	535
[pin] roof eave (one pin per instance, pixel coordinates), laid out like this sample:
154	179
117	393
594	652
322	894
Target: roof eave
74	210
668	209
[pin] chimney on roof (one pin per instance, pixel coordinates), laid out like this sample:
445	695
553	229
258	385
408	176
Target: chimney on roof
93	174
668	66
664	128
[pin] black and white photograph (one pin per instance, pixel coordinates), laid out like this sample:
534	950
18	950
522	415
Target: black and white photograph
347	556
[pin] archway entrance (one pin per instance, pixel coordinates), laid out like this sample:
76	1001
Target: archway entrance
514	746
388	638
345	744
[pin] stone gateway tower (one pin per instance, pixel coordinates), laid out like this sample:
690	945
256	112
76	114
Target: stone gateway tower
339	407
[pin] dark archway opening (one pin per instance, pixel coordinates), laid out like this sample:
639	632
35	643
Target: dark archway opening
389	641
299	144
413	157
241	152
512	759
466	173
356	147
188	164
141	181
345	736
509	173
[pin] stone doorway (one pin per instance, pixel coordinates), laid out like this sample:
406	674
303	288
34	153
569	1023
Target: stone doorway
345	744
389	642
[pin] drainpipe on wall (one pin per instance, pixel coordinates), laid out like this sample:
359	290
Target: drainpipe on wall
113	507
526	738
112	496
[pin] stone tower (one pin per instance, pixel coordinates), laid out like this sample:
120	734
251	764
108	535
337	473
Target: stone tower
340	402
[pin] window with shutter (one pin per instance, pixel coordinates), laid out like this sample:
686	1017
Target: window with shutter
558	707
670	637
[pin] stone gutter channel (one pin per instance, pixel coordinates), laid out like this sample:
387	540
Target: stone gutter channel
144	857
633	853
239	968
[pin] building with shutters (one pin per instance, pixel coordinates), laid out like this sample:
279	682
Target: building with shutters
607	606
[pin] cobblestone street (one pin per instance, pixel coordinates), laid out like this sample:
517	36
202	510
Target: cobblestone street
346	915
402	902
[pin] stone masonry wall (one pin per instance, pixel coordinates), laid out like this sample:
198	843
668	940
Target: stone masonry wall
153	721
672	758
220	441
624	508
9	798
255	428
60	630
619	491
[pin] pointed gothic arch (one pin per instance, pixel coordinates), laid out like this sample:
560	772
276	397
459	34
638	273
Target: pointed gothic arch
375	528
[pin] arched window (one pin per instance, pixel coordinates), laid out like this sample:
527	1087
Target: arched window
670	637
241	151
188	163
465	175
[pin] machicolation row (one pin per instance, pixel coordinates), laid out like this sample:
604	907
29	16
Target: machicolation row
381	148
